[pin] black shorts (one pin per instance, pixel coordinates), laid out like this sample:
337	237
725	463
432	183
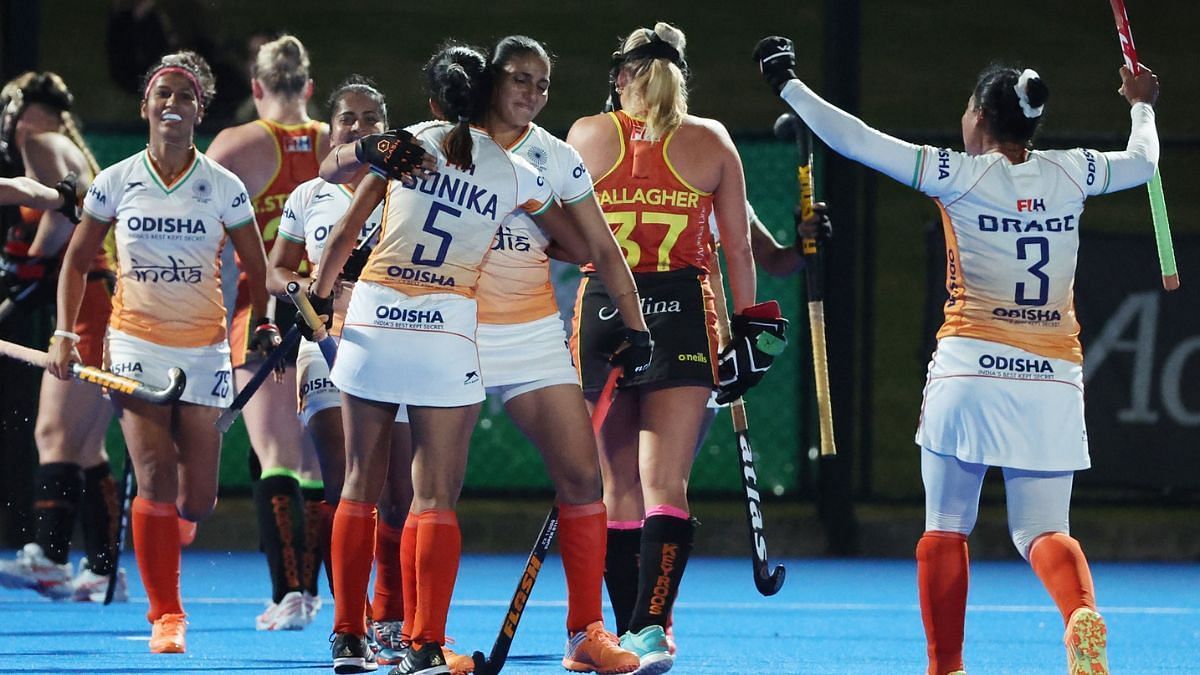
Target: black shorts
682	318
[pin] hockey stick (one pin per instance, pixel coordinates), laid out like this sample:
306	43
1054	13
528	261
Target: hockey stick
790	127
1158	203
307	314
128	490
516	607
264	371
767	581
129	386
9	304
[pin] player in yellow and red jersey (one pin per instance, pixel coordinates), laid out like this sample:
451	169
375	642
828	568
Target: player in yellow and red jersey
273	155
659	176
172	210
1005	385
40	139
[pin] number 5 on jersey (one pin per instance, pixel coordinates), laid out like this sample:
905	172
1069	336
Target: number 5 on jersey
444	237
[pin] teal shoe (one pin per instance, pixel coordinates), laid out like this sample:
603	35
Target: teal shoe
650	645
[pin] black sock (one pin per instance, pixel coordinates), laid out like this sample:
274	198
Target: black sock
279	506
58	487
313	518
666	545
621	574
101	502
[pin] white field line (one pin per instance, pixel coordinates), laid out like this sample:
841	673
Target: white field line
765	606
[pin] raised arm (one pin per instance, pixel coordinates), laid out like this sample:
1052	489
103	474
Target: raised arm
1135	164
845	133
344	234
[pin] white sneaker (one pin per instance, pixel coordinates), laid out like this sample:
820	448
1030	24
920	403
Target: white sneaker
32	569
288	614
312	605
91	587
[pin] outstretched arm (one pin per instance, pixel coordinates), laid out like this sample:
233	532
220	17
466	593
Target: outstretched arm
1135	164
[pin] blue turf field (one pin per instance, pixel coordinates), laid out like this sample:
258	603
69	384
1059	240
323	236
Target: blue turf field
857	616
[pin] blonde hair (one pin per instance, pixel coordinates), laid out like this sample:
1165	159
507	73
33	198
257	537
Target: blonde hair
658	88
49	89
282	66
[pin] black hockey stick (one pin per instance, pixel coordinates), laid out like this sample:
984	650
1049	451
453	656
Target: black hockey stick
767	581
126	385
516	607
495	661
264	371
128	490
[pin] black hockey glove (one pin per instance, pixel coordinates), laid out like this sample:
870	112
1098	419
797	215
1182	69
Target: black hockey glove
758	335
776	58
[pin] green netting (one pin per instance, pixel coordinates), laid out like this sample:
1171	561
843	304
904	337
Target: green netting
501	458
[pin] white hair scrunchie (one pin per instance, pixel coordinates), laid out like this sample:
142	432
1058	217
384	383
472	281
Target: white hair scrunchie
1022	89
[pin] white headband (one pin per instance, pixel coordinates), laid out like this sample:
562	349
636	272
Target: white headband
1022	89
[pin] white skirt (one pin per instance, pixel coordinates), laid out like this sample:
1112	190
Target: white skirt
208	369
989	403
522	357
416	350
316	391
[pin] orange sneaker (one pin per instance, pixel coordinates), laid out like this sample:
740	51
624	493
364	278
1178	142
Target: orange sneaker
168	634
458	663
1087	643
596	650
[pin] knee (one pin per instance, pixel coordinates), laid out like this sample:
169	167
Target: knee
196	509
577	487
1026	539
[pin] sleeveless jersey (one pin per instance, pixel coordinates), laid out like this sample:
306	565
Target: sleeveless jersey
309	216
437	230
660	221
169	240
514	282
296	161
1012	241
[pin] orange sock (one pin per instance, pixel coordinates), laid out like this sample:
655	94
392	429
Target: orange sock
582	540
408	573
327	511
156	543
942	585
389	588
439	547
1059	562
352	550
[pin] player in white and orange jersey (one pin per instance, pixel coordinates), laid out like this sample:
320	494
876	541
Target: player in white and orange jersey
659	174
40	139
1005	386
272	155
357	108
172	209
522	347
409	338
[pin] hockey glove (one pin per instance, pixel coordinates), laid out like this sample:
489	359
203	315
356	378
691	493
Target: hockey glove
758	335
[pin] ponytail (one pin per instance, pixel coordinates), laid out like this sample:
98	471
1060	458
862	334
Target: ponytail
657	89
455	77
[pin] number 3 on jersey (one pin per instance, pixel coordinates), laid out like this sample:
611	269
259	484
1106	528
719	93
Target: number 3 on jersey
1041	246
444	237
627	221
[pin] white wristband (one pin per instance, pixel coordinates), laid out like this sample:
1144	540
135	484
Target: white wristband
73	337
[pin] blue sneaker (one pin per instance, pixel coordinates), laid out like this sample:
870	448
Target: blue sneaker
650	645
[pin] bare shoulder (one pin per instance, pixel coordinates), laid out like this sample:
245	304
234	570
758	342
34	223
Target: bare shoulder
49	144
48	156
704	130
591	129
234	145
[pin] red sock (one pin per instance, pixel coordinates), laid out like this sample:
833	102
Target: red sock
389	588
156	543
327	511
582	541
439	547
1059	562
942	584
352	551
408	573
